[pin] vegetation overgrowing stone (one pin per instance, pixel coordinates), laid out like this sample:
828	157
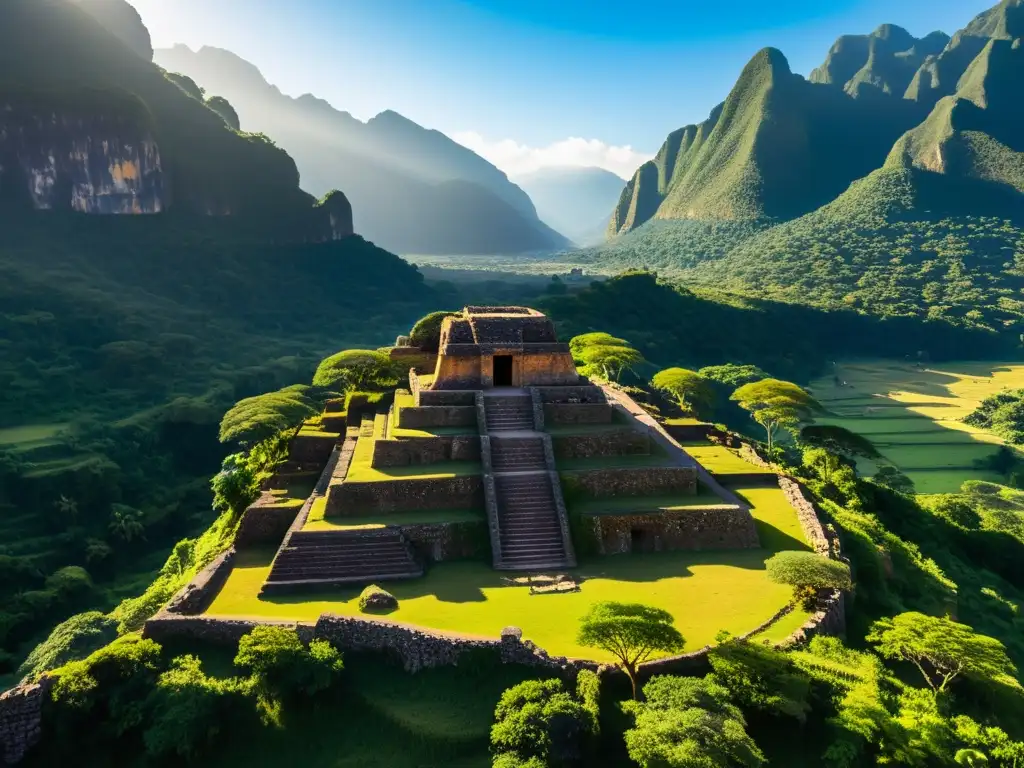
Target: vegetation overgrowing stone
375	599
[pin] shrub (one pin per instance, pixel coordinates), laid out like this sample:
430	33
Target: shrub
375	599
538	720
283	667
808	572
426	334
73	639
188	708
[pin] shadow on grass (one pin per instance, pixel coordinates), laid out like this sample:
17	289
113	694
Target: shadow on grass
775	540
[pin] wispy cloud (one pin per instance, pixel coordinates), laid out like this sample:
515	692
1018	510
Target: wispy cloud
516	159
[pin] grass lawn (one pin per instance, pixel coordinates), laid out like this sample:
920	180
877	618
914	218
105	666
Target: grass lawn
719	460
705	591
914	415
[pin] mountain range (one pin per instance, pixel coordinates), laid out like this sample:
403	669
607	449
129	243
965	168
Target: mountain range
413	190
891	180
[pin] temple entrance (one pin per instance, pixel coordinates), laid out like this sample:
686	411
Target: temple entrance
503	370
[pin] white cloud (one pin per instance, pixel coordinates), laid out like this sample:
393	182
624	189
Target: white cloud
516	159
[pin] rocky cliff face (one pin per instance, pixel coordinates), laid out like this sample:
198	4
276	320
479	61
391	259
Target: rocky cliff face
96	163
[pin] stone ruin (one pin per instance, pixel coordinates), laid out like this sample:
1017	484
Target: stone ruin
468	463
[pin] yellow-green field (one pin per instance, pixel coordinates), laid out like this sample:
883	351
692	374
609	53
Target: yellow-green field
705	591
914	415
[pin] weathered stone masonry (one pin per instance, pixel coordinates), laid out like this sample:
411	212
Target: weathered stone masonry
21	719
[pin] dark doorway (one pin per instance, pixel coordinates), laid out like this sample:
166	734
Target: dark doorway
503	370
641	540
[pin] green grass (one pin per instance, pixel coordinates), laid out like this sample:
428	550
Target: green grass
705	591
719	460
914	415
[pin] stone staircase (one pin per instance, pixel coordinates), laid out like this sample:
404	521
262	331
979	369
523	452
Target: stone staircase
509	413
329	558
517	454
531	536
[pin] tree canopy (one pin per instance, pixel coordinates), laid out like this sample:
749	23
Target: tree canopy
692	392
775	404
356	369
258	418
732	375
941	649
631	632
689	723
426	333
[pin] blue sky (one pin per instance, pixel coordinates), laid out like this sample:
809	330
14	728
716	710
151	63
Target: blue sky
532	82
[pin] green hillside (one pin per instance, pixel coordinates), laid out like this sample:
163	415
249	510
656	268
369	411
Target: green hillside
777	148
892	183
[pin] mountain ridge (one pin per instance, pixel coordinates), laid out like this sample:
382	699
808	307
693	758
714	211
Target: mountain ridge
394	171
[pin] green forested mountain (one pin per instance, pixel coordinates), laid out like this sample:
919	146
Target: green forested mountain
100	128
414	191
892	182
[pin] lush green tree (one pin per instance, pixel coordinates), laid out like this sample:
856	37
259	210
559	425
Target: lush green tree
356	369
689	723
631	632
282	667
539	720
1002	413
762	677
988	741
835	442
236	486
691	392
126	523
609	362
733	376
426	333
187	709
775	404
259	418
807	573
596	339
941	649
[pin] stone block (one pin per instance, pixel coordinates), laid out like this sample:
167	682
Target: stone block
361	498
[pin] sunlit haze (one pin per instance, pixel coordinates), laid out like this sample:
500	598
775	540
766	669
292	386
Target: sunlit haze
533	83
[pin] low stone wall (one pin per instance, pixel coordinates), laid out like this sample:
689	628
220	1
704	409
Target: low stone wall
196	596
638	481
424	417
581	413
425	450
413	357
360	498
441	542
582	393
265	523
559	498
688	433
21	715
537	405
623	442
311	449
413	647
822	542
445	397
207	629
720	527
